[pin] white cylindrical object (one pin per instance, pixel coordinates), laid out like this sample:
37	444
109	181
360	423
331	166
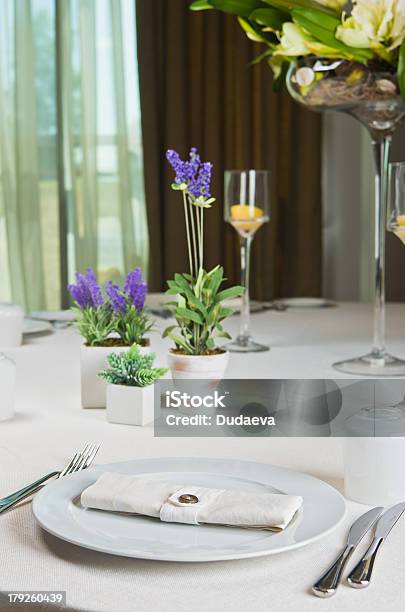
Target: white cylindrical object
11	325
374	470
7	387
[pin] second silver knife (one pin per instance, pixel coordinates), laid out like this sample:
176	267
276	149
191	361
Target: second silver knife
327	585
360	576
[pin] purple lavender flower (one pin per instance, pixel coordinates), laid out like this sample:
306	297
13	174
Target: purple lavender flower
178	166
86	292
201	185
135	288
196	174
117	299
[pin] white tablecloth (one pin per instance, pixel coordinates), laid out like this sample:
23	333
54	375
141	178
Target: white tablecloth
50	425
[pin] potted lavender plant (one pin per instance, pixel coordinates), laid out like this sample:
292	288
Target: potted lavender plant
198	308
111	319
130	391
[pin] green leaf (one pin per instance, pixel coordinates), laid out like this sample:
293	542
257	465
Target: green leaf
225	313
199	282
213	315
242	8
180	342
185	313
180	281
289	5
201	5
279	82
224	334
262	56
401	69
271	18
329	22
230	293
192	299
327	37
253	32
168	331
217	276
172	285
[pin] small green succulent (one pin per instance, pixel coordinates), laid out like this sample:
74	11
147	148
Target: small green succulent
132	369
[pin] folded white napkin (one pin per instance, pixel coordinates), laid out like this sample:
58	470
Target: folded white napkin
138	495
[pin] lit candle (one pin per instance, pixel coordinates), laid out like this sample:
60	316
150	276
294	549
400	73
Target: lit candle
399	230
245	216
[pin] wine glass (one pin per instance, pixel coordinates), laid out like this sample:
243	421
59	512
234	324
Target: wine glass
247	208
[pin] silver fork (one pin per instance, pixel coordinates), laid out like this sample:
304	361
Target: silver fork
80	461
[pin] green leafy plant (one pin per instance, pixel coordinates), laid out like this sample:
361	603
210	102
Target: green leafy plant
94	324
114	317
132	369
333	29
198	310
92	312
130	320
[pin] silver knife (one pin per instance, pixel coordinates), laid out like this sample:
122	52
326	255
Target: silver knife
360	576
327	585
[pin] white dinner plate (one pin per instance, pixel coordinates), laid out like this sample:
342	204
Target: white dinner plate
58	510
31	326
305	302
236	305
62	316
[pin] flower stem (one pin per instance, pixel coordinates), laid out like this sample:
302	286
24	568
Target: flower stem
188	234
202	238
193	233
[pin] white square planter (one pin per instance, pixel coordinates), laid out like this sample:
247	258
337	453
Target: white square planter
130	405
93	359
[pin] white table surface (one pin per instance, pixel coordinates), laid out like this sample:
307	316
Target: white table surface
50	425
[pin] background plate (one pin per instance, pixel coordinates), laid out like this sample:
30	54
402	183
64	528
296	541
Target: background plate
58	510
305	302
63	316
35	327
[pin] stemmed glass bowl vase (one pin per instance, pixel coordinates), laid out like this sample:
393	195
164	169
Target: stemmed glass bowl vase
370	95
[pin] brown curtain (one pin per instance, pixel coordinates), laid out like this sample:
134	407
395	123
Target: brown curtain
198	88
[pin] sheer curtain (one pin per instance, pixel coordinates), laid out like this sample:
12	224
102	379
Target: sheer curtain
71	169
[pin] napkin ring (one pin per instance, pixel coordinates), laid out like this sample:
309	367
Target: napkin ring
184	505
188	498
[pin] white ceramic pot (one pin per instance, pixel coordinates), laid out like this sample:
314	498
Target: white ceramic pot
7	387
93	359
11	325
193	367
130	405
374	470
